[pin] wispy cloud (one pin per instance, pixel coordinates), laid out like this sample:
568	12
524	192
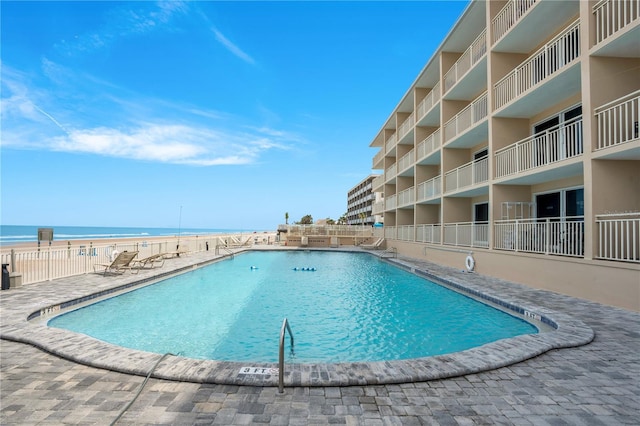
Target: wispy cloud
232	47
135	128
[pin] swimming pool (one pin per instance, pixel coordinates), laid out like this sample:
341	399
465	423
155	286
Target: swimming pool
353	307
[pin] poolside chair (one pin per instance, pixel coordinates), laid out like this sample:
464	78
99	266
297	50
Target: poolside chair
156	260
119	265
374	246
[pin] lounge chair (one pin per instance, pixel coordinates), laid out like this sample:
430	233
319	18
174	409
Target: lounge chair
375	246
151	261
120	264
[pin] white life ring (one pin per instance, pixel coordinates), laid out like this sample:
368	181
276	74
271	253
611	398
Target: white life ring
114	254
470	263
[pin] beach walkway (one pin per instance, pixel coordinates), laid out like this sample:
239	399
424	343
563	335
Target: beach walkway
595	384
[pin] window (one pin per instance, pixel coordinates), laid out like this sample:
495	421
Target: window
558	137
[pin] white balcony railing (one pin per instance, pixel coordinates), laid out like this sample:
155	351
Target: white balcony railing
390	232
467	234
429	189
378	158
471	115
407	197
563	236
549	59
428	233
619	236
470	174
377	182
613	15
618	121
407	160
378	207
467	60
390	202
508	16
391	143
429	144
555	144
405	233
429	101
391	171
406	126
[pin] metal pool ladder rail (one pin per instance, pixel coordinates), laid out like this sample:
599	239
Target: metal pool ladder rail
285	328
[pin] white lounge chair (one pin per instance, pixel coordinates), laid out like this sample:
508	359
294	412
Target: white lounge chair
375	246
119	265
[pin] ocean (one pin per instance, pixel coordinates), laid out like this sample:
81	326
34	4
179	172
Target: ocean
13	234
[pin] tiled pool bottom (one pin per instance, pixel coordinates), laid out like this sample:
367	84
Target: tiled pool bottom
18	305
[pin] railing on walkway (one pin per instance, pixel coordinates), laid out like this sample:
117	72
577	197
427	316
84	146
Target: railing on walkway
285	328
555	144
619	236
549	59
469	174
562	236
428	233
429	189
328	230
429	101
429	144
467	60
618	120
53	262
509	16
613	15
467	234
471	115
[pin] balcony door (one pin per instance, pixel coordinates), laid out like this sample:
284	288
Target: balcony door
560	224
558	137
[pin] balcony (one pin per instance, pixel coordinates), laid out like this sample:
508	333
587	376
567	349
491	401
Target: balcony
377	183
509	16
467	234
390	144
390	202
405	233
464	76
550	59
429	190
390	173
427	114
551	146
619	236
378	160
428	146
618	121
405	165
406	127
428	233
561	236
467	119
470	174
378	208
407	197
612	16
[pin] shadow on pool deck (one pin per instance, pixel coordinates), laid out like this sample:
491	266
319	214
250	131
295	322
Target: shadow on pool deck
40	301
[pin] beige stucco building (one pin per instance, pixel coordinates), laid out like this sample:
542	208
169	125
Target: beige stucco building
518	144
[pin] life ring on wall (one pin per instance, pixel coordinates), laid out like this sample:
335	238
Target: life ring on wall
470	263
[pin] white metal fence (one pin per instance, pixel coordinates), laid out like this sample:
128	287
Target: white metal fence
508	16
619	236
469	174
555	144
428	233
549	59
53	262
618	120
467	234
613	15
562	236
467	60
471	115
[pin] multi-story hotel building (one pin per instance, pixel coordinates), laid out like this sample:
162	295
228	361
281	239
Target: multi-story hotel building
361	202
518	144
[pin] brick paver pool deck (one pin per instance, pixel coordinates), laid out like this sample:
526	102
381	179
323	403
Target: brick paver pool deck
591	384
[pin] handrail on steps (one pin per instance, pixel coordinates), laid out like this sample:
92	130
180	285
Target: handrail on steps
225	248
285	327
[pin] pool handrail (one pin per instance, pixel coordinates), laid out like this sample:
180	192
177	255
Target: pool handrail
285	328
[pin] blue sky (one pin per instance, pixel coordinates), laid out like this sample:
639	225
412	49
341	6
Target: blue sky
125	113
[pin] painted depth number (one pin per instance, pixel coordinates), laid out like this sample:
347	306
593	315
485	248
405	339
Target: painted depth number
259	371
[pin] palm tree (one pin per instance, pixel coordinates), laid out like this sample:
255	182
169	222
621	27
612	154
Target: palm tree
286	218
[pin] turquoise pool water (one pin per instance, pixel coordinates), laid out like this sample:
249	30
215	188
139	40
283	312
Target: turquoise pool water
353	307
